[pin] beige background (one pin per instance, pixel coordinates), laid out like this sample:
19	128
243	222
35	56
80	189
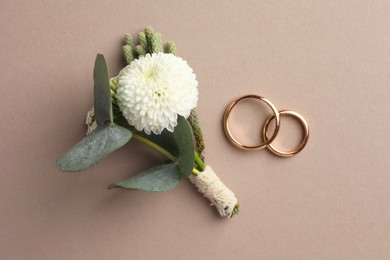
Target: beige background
328	60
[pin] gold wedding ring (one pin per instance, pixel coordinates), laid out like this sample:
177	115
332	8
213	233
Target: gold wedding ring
267	140
228	133
305	138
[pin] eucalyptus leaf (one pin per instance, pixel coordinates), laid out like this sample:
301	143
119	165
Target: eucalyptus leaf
185	145
93	148
179	143
165	140
159	178
102	95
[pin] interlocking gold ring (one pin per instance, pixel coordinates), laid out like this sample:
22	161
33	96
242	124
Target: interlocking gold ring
305	138
234	140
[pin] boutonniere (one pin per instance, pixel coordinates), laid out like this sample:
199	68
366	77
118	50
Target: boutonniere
153	101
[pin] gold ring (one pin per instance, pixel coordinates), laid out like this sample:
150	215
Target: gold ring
304	139
234	140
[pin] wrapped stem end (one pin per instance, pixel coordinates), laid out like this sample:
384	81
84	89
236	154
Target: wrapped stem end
209	184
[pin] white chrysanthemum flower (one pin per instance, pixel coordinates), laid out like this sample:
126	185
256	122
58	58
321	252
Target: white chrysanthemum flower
154	90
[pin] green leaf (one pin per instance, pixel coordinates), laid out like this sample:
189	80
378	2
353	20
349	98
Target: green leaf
185	145
93	148
166	139
159	178
102	95
180	143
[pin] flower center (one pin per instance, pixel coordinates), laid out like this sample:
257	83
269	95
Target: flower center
151	74
161	91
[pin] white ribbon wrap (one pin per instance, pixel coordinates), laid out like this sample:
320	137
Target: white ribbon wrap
90	121
213	189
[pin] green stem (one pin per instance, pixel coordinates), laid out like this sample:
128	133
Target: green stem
170	156
195	172
155	147
235	210
199	162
